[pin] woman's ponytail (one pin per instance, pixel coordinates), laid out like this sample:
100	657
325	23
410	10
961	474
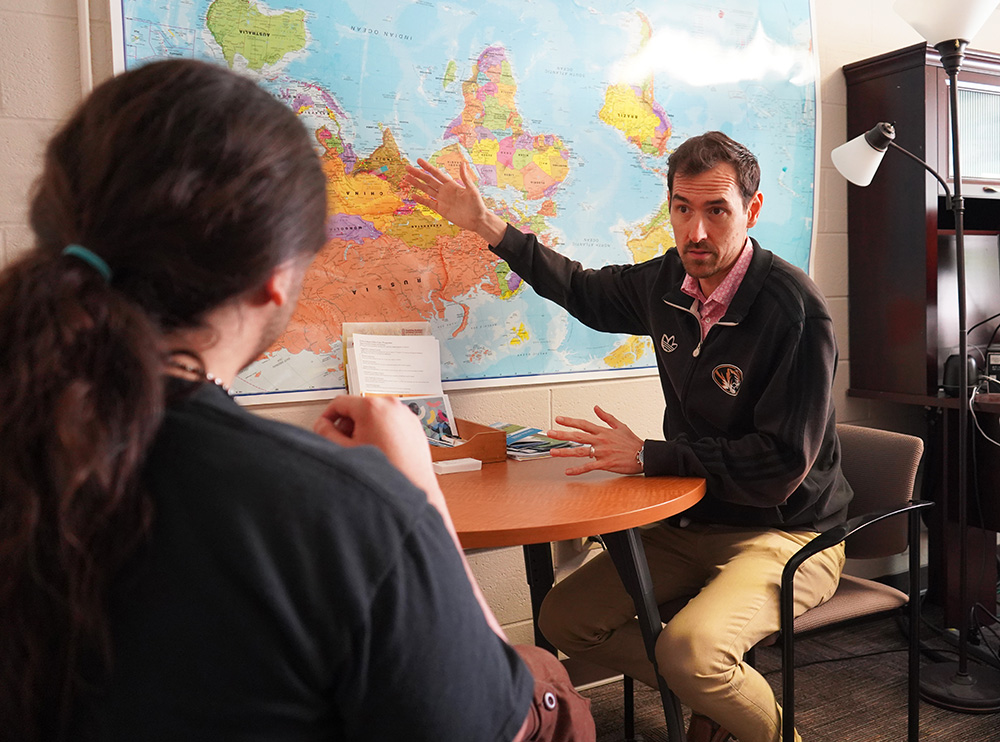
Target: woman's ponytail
80	400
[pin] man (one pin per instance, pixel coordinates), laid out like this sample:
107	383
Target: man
173	567
746	355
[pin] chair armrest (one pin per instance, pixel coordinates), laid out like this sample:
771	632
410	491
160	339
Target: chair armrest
866	519
835	535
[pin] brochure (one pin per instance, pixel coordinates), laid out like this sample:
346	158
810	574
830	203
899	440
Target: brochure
529	443
436	416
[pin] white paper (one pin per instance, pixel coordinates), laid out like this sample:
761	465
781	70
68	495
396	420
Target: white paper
348	329
351	371
398	365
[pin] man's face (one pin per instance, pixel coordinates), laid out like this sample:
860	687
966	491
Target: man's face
710	223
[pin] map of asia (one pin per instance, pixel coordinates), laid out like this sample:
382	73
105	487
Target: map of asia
567	112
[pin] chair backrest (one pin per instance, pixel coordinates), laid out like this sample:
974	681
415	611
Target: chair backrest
881	467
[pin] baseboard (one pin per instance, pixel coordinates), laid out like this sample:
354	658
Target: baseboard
588	675
901	580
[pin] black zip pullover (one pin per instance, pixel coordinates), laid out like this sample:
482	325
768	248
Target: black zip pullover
750	408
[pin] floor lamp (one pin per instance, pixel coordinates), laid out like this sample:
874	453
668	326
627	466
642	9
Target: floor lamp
949	26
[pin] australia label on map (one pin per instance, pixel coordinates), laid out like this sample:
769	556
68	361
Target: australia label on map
566	113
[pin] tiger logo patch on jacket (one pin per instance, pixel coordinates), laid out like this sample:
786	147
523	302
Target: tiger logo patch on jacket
729	378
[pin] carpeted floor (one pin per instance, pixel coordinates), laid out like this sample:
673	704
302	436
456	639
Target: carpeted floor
862	699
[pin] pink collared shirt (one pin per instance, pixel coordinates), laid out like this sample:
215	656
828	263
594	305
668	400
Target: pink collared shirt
713	308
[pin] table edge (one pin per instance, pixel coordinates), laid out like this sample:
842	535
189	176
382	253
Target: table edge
525	535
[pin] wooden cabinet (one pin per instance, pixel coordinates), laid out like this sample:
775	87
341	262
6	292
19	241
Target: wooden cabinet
903	305
903	291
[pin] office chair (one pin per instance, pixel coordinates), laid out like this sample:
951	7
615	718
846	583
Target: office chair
881	467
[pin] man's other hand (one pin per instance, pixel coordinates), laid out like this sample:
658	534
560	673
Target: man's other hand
611	448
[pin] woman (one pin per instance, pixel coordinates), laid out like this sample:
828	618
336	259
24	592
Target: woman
172	567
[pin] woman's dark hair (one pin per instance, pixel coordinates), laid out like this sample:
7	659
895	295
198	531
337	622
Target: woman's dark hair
701	153
192	183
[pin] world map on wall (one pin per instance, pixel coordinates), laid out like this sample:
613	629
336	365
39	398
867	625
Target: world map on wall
567	112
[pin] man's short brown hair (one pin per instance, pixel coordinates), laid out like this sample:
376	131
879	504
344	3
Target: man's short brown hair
701	153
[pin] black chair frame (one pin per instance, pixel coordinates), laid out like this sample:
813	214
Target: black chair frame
823	541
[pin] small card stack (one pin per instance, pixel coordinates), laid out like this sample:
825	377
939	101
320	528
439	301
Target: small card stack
452	466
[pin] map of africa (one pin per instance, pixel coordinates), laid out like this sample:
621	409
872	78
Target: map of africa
566	110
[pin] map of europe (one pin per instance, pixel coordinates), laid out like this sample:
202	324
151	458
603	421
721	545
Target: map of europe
567	111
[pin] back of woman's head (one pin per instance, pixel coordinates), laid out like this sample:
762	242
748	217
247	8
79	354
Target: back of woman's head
190	181
191	184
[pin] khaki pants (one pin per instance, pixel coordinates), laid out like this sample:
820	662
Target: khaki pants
734	575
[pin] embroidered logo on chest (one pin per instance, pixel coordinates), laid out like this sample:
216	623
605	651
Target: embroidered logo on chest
668	344
729	378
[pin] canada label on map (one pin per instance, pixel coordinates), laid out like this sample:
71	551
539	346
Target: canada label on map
566	113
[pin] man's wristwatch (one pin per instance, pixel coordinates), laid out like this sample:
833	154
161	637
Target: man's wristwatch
639	457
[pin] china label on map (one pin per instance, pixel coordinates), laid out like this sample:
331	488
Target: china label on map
567	114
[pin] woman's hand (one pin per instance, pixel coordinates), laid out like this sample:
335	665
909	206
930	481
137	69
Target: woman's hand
386	423
391	426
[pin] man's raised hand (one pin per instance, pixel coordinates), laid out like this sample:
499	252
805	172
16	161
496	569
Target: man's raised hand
459	203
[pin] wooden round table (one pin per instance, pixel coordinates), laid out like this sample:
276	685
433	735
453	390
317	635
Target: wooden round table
529	502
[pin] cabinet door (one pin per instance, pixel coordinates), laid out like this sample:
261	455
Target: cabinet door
979	135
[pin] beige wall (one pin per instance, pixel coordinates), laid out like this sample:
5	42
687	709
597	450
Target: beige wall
40	83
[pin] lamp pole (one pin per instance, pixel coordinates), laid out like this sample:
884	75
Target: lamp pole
951	57
948	684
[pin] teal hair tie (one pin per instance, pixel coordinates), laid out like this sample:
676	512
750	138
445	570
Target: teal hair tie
91	258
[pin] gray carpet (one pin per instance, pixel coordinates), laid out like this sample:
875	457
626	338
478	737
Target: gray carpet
853	700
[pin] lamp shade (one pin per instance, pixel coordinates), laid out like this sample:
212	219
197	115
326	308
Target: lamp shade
858	159
945	20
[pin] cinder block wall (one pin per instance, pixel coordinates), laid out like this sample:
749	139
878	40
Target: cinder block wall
40	84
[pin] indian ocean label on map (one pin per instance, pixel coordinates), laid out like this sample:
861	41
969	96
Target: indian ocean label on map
567	113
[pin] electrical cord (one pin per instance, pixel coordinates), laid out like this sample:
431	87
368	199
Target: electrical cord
983	322
938	654
931	653
976	391
988	629
974	480
976	653
982	349
838	659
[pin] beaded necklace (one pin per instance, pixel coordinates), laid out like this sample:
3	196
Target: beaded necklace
198	371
